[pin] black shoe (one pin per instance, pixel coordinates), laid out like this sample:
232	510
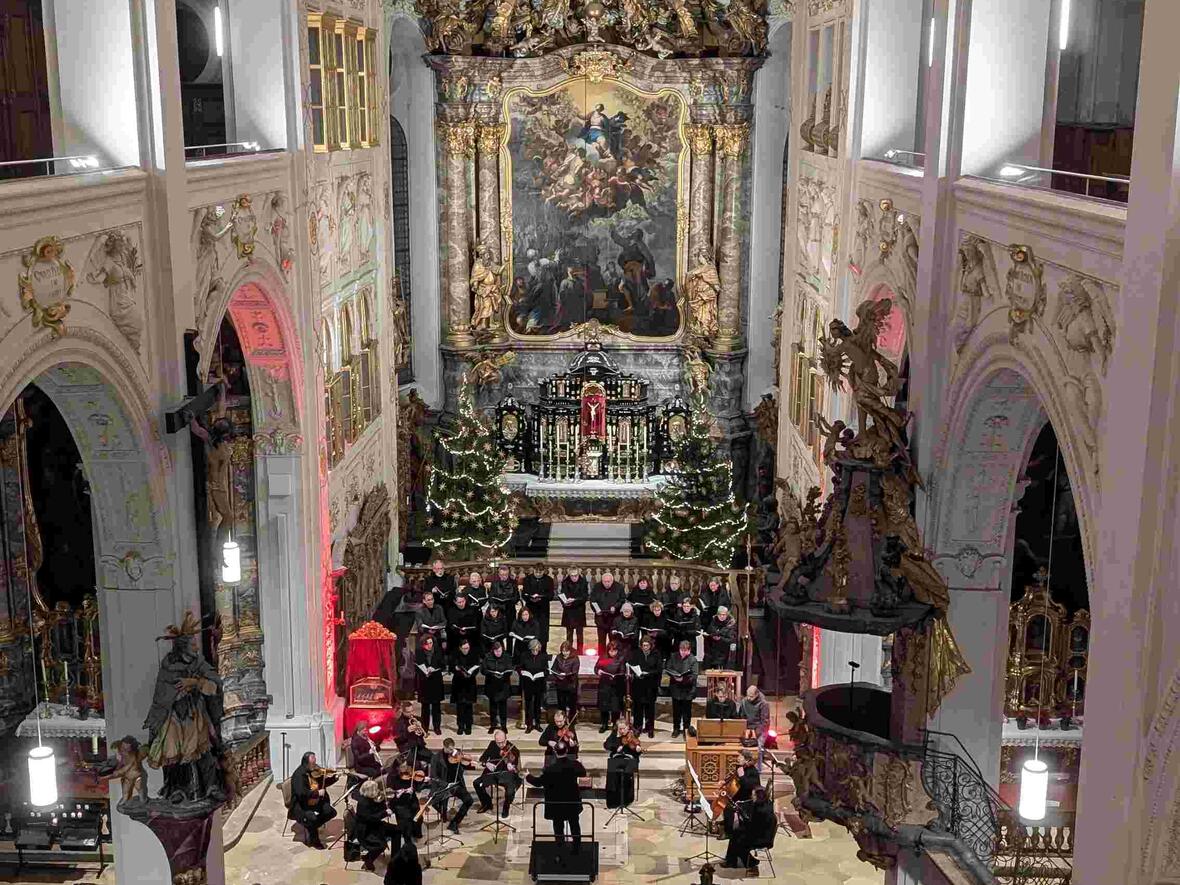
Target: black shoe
726	865
454	827
437	730
528	729
484	809
692	732
506	810
317	844
368	867
651	732
675	733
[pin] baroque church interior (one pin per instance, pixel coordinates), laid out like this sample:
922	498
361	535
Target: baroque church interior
589	440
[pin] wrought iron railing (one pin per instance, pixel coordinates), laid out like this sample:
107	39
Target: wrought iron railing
971	811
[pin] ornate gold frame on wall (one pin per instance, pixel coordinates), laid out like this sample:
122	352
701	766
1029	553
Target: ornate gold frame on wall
682	220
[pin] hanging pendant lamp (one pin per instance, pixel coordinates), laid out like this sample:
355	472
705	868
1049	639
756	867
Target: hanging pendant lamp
1034	774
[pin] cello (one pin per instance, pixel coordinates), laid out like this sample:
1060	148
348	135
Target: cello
725	796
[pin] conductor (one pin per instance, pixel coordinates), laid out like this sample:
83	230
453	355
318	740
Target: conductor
563	797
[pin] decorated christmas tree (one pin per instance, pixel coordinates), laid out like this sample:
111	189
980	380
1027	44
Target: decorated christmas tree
468	512
699	519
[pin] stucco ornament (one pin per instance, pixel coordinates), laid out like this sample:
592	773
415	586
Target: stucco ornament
114	263
46	285
979	286
1084	318
1025	290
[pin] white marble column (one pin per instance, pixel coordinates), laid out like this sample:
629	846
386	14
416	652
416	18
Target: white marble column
1130	766
291	617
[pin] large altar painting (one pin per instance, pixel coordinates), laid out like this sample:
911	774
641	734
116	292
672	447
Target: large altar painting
596	172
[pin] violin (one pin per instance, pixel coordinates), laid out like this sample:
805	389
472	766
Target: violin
631	742
317	780
566	732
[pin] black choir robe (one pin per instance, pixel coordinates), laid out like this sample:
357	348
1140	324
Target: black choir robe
573	612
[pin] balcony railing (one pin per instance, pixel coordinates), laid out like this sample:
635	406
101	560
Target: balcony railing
1106	187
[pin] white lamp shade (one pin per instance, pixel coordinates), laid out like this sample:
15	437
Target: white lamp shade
1034	789
42	777
231	562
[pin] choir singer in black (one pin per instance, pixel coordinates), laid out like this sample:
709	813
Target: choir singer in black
533	668
464	666
430	662
682	685
497	684
565	669
572	595
646	668
563	796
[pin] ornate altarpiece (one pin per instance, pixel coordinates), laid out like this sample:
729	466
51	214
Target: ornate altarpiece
675	166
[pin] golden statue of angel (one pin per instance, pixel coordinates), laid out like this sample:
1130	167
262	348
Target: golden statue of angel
702	289
485	367
852	356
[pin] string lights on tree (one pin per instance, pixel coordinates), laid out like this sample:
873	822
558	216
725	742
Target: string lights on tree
699	518
468	511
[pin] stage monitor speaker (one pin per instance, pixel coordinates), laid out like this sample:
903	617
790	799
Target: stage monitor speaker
551	862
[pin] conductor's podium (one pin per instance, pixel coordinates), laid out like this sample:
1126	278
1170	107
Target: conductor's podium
714	753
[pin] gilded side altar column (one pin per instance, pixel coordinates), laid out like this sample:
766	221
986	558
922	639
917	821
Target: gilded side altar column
700	199
458	147
732	139
490	135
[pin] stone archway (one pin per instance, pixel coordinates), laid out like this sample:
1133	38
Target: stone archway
999	401
140	566
294	601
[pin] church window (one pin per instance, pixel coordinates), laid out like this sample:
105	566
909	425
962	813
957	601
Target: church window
315	82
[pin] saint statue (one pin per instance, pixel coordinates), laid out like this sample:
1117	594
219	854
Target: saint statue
486	289
184	723
702	287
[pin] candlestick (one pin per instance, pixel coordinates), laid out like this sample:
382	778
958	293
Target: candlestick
65	674
94	745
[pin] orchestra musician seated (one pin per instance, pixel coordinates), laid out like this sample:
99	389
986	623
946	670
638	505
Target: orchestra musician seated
559	731
365	759
755	826
371	831
623	752
402	785
721	705
748	779
500	761
448	778
310	806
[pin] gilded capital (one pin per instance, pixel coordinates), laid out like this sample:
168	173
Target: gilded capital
732	139
491	136
459	138
700	138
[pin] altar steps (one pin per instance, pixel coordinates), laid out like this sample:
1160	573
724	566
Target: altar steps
589	540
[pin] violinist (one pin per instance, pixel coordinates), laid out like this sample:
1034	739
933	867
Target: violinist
536	595
721	641
623	752
605	599
626	629
654	623
497	683
560	730
439	583
402	785
371	830
682	685
408	733
748	780
310	806
464	666
501	763
572	595
533	668
431	621
755	827
565	669
365	759
462	621
612	675
495	627
430	662
477	592
646	668
448	778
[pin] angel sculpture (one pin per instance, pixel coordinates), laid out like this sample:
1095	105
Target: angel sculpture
696	373
114	263
748	24
852	356
486	288
1084	318
485	367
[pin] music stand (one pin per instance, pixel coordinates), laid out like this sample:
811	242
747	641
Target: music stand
498	825
707	810
626	809
445	839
